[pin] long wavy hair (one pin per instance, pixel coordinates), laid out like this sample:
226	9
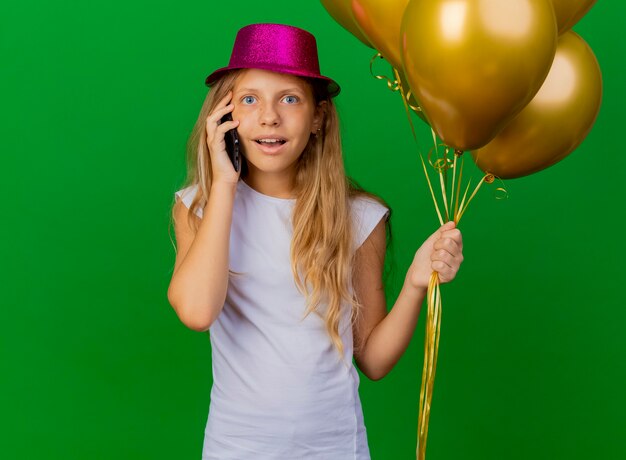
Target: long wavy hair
322	251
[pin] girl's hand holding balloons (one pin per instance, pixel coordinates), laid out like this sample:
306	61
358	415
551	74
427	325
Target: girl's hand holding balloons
222	167
441	252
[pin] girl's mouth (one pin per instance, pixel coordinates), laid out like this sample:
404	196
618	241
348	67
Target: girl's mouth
270	145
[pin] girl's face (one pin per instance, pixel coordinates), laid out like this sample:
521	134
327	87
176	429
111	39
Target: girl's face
277	114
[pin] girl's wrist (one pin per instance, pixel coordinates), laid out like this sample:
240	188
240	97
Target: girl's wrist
224	185
416	292
221	192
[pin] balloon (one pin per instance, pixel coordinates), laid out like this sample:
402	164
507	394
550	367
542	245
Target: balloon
341	12
475	64
412	102
380	22
555	122
569	12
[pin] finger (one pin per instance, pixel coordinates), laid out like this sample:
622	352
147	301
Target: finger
224	102
443	256
441	267
217	137
454	234
225	99
227	126
448	225
446	273
212	123
448	244
220	130
441	230
454	259
218	113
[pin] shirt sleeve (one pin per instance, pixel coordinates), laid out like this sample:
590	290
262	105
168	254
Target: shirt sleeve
367	213
187	195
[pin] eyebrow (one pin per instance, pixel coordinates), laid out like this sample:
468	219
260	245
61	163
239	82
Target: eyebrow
286	90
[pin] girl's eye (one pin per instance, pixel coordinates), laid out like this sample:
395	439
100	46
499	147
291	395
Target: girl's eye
250	99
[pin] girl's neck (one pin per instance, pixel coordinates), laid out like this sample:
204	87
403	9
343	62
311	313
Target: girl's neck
272	185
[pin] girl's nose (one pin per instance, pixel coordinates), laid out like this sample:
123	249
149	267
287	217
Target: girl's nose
269	116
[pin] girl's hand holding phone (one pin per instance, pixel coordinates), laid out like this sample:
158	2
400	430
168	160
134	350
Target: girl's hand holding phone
222	167
441	252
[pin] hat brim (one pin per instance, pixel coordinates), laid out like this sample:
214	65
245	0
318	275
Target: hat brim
333	88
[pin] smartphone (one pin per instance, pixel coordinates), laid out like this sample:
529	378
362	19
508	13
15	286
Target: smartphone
232	143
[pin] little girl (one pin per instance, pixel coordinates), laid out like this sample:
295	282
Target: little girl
260	249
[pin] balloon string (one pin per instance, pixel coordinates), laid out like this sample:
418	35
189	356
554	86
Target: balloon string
435	146
415	108
434	303
431	348
490	177
505	194
408	114
406	106
392	85
443	181
396	85
486	178
456	155
431	191
433	319
458	187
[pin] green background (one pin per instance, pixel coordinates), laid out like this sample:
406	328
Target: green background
98	99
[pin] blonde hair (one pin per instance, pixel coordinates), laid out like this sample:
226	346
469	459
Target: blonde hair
322	248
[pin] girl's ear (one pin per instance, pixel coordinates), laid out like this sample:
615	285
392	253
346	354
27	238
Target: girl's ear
318	117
